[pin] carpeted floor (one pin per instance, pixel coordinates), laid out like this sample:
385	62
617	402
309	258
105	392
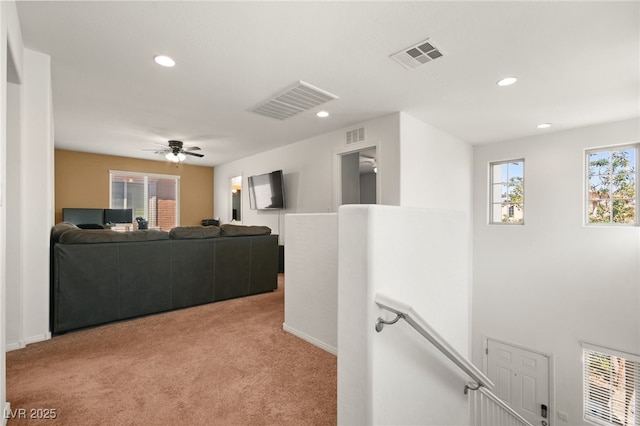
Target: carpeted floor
225	363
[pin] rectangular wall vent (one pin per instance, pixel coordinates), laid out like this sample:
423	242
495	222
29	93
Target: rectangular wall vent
293	100
356	135
420	54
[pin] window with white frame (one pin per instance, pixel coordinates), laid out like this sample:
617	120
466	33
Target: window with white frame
507	192
153	197
611	185
611	386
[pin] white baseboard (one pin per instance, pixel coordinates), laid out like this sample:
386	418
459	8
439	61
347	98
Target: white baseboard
5	413
322	345
29	340
15	346
38	338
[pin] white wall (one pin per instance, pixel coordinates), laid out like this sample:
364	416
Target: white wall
10	70
552	283
311	245
420	257
14	219
29	189
29	202
37	188
435	167
310	173
311	290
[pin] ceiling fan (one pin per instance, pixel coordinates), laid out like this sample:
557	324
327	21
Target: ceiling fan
176	153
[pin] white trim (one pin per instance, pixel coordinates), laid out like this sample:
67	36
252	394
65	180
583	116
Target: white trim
230	212
515	345
37	338
5	412
146	176
27	341
586	182
142	174
609	351
490	191
337	170
310	339
15	346
552	369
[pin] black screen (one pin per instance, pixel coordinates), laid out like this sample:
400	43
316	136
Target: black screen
82	216
118	216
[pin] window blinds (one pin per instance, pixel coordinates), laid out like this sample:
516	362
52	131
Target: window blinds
611	387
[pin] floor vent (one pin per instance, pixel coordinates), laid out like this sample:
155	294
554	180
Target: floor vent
420	54
293	100
356	135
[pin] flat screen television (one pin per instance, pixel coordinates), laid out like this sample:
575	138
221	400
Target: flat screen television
118	215
266	191
82	216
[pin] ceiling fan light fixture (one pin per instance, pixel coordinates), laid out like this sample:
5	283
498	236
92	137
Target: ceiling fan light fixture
175	152
172	157
164	60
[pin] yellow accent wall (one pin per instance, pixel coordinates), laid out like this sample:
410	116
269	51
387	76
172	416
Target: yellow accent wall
82	181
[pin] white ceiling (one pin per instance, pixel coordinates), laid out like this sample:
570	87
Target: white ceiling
577	64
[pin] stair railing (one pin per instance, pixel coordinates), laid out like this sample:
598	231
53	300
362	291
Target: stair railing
487	408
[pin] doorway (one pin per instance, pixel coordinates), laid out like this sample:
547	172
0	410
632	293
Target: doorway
359	177
236	199
521	377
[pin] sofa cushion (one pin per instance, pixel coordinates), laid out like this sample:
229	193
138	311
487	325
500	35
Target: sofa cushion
92	236
230	230
61	228
194	232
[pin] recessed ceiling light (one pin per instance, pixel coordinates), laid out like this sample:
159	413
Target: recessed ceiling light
165	61
322	114
507	81
544	125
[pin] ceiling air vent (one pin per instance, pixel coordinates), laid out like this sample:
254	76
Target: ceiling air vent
356	135
293	100
417	55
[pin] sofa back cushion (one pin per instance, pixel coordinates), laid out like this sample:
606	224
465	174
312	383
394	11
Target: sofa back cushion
194	232
94	236
230	230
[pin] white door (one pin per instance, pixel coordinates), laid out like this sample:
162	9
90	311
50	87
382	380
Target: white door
522	380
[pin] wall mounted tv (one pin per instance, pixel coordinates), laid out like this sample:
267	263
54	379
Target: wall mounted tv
82	216
266	191
118	215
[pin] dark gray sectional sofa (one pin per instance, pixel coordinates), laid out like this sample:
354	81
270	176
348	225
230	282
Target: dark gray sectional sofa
100	276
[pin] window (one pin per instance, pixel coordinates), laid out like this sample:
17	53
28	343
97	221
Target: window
152	197
611	386
611	185
507	192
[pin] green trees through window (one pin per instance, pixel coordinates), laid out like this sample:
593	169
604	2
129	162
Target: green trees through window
611	185
507	192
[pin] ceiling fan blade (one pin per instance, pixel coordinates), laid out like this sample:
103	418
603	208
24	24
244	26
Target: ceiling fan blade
192	148
192	153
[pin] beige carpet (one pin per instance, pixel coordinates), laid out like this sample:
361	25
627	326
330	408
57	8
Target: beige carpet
225	363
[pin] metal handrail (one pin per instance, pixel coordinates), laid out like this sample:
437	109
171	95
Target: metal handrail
406	312
481	382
